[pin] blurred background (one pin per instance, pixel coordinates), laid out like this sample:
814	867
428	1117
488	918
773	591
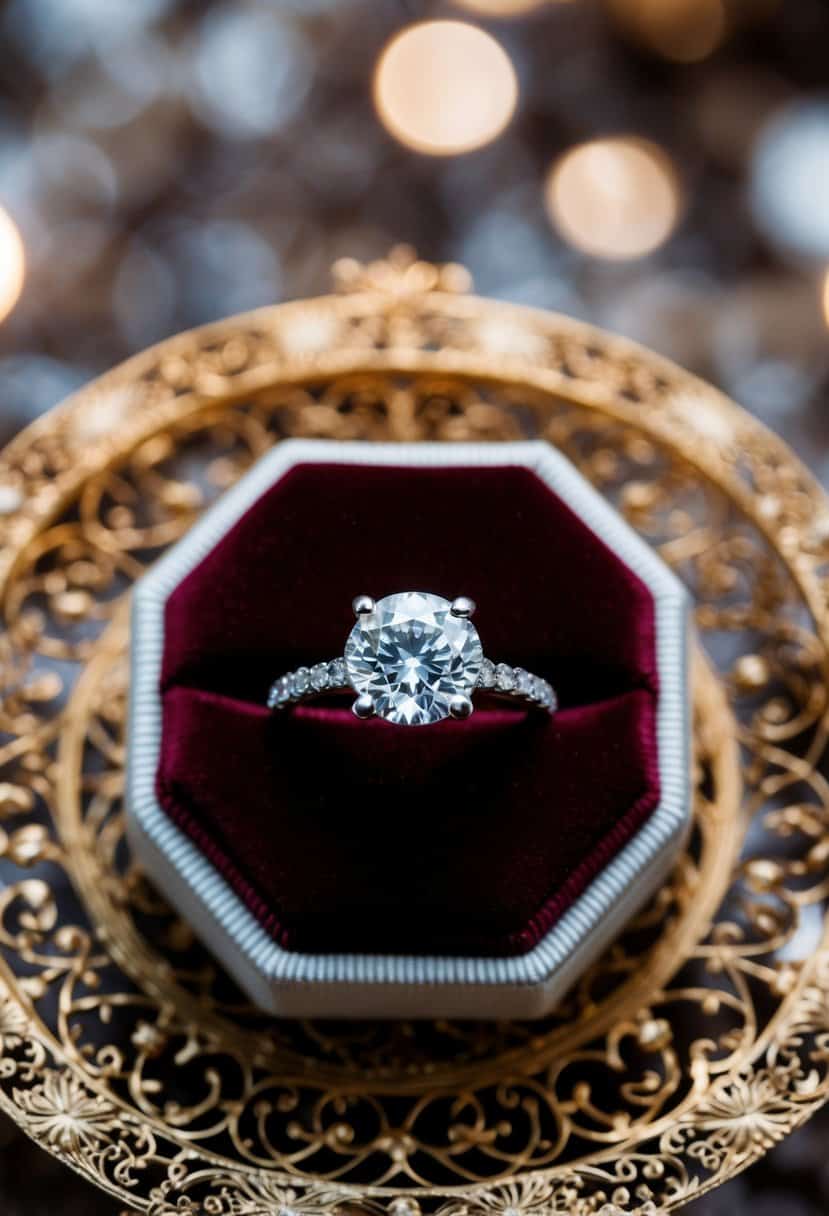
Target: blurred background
659	167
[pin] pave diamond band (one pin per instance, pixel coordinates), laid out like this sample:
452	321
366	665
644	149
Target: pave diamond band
412	659
307	682
498	678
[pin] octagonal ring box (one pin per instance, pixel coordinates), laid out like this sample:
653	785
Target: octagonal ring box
348	868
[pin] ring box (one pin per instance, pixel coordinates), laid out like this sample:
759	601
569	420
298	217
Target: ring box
343	868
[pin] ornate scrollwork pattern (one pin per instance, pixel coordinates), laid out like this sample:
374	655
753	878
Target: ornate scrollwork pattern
702	1036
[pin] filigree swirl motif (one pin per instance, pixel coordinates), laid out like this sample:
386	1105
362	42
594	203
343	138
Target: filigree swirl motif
702	1036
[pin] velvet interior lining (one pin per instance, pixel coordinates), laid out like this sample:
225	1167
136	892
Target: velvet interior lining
462	838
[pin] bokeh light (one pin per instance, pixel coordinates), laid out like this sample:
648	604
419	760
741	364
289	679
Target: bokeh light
12	264
790	179
444	87
174	162
56	33
110	91
501	8
681	30
253	71
614	198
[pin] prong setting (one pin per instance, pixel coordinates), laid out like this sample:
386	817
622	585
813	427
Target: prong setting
363	707
463	606
411	659
362	605
460	707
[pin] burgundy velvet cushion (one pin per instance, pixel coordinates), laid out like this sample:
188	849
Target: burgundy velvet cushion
469	838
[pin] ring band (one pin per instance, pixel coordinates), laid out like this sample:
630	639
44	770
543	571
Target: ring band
413	659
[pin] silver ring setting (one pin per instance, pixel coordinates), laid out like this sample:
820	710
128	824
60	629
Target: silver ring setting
413	659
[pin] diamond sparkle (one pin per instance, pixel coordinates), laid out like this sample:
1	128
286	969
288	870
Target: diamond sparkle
411	656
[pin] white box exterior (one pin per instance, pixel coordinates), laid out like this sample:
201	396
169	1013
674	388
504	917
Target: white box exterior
293	984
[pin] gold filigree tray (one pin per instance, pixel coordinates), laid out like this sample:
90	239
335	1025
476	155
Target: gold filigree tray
702	1036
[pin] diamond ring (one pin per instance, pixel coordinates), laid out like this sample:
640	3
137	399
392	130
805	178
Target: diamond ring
412	659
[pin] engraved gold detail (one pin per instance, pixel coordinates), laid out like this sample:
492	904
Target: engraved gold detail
700	1038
